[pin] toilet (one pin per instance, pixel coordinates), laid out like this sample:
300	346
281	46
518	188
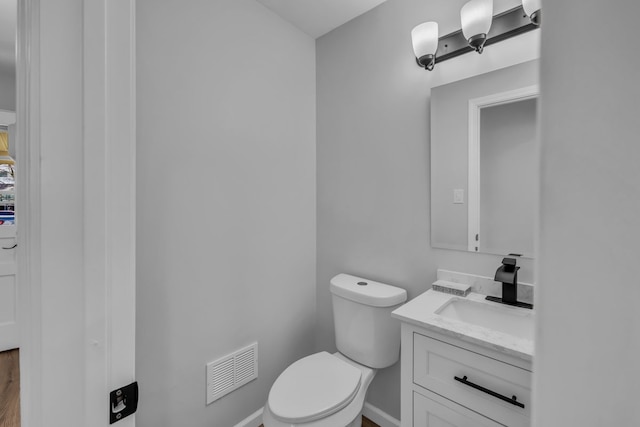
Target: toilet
329	390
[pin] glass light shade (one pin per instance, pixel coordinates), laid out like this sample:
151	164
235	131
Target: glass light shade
531	6
425	39
476	17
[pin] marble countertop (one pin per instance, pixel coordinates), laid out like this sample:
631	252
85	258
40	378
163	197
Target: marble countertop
421	311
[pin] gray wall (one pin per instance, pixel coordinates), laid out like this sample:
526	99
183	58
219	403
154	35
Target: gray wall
450	147
509	166
7	87
226	202
374	162
588	332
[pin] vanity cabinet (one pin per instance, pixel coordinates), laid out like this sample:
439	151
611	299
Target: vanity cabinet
453	383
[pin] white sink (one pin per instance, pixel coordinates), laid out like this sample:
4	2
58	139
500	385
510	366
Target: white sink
514	321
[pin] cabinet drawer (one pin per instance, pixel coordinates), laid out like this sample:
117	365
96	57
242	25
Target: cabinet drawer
430	413
436	365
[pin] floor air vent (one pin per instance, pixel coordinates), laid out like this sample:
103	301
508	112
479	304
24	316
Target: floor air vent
231	372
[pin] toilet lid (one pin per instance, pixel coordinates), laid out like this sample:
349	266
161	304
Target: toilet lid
313	387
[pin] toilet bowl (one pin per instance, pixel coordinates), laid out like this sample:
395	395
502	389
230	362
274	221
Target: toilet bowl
321	390
329	390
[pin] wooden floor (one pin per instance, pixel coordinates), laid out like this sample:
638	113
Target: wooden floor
366	422
9	389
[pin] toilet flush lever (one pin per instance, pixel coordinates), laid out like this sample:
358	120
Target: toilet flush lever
123	402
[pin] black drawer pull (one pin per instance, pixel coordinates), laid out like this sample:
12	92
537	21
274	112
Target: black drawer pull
512	400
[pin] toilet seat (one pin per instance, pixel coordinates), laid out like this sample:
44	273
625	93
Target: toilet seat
313	387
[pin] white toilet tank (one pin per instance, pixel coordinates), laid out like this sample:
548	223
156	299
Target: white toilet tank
365	330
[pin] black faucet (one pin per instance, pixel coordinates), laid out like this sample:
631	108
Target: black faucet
507	274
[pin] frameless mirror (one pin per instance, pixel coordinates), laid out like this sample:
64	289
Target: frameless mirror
484	146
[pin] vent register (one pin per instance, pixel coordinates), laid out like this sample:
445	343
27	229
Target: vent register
231	372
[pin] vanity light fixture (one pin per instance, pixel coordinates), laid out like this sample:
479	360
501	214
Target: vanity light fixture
532	9
476	17
479	30
425	44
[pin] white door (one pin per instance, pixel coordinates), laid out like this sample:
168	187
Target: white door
9	330
9	327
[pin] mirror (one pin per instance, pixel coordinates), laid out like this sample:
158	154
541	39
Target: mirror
484	147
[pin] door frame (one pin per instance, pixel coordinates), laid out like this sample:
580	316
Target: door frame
107	347
474	238
109	202
29	220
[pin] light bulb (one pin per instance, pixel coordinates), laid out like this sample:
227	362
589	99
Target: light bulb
425	43
476	17
532	9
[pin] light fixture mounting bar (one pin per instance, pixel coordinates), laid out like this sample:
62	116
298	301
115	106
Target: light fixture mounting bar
505	25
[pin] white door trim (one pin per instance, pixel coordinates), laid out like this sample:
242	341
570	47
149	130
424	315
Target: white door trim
109	202
109	234
28	195
473	196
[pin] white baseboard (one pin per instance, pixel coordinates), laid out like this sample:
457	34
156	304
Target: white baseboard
379	417
253	420
374	414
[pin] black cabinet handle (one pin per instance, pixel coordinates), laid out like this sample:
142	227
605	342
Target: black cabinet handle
511	400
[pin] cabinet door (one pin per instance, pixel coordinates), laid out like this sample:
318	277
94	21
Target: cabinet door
429	413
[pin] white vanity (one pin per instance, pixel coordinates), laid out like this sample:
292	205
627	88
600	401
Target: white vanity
466	362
